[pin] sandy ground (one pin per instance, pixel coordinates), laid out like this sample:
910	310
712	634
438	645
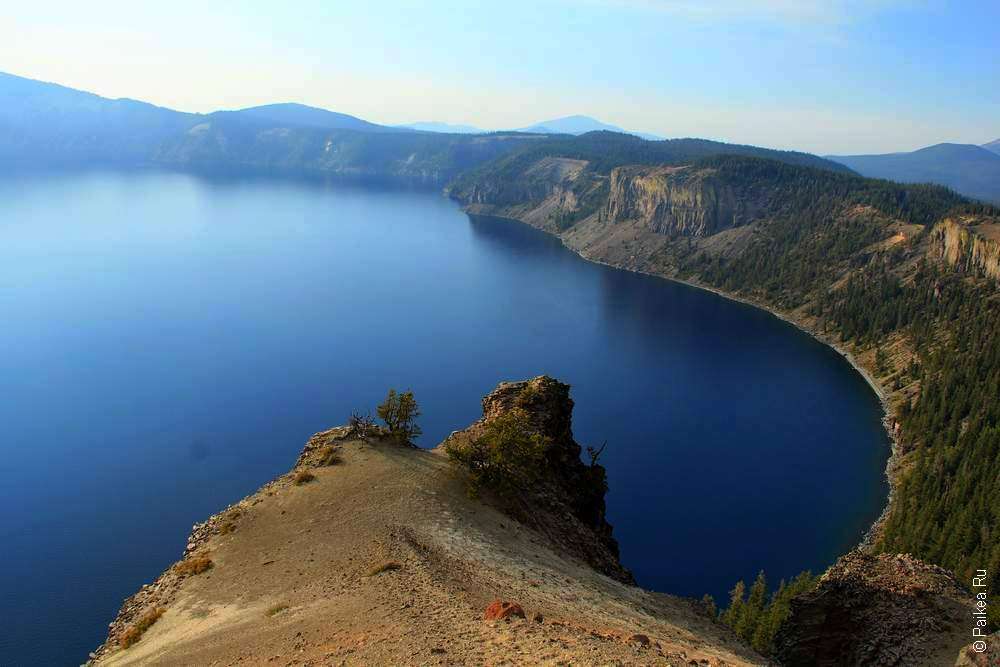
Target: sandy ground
293	583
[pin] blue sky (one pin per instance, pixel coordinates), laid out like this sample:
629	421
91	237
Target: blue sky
841	76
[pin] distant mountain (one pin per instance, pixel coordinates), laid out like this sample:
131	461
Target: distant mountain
48	123
231	140
580	125
968	169
993	146
443	128
300	115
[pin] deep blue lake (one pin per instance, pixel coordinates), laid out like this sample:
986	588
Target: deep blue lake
169	342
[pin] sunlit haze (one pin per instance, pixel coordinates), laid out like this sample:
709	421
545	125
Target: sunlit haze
847	76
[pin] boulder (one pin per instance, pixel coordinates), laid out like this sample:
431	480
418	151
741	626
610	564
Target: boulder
500	609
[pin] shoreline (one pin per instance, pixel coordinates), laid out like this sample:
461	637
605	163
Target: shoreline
891	465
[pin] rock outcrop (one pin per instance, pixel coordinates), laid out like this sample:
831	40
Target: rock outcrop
567	503
677	200
970	244
501	609
876	610
385	559
551	176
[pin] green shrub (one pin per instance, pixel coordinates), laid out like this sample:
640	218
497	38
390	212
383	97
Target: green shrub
754	618
506	457
399	412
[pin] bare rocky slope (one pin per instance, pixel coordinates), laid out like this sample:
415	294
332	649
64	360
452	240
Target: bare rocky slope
877	610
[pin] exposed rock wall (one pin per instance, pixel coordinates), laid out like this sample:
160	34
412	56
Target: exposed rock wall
677	200
567	504
547	178
971	245
877	610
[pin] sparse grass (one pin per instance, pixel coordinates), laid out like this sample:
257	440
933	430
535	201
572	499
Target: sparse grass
193	566
329	456
134	634
303	477
227	528
387	566
277	609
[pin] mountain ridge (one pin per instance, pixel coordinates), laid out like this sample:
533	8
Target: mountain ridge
301	115
966	168
288	137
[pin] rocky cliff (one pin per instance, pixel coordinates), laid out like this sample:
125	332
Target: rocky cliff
678	200
877	610
567	503
968	243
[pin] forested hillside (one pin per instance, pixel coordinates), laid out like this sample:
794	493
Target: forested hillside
946	508
858	261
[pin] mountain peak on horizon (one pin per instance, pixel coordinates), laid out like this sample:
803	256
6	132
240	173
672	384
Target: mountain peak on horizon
966	168
993	146
303	115
580	124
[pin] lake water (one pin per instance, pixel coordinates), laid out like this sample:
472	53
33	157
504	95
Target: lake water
170	342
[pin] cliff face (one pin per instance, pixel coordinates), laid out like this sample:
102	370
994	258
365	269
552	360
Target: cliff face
567	504
549	177
877	610
677	200
969	244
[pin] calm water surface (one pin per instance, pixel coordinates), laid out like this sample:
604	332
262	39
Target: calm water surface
170	342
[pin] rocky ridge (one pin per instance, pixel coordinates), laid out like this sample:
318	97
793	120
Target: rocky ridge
969	243
886	609
567	504
379	556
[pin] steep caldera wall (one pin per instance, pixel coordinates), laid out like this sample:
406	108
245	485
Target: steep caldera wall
968	243
900	278
678	200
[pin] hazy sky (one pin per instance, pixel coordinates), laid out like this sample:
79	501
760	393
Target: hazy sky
841	76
